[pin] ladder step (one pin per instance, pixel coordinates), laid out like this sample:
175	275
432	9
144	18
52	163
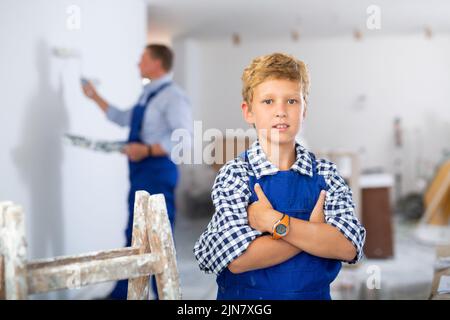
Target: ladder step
76	275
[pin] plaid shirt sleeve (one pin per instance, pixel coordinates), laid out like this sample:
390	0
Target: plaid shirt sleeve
228	234
340	209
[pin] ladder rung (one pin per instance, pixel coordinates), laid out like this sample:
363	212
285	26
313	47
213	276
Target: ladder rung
96	255
79	274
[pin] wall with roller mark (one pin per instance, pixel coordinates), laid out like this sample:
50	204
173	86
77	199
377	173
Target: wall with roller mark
74	199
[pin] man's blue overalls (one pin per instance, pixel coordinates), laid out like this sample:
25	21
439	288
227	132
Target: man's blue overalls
152	174
304	276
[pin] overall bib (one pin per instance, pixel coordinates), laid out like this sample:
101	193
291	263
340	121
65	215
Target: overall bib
152	174
303	276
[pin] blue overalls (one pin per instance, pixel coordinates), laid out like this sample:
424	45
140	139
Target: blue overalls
303	276
152	174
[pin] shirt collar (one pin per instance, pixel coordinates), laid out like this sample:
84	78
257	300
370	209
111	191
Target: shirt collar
155	84
261	166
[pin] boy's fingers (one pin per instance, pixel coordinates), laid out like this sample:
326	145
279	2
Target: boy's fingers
259	192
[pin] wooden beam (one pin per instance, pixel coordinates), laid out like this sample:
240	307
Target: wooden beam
3	207
76	275
138	288
432	214
160	236
15	252
87	257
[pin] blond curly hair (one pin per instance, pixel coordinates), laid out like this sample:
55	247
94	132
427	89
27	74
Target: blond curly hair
274	66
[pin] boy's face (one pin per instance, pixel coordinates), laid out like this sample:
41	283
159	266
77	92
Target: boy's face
277	110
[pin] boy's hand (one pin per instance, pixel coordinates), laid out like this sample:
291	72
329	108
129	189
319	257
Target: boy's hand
318	215
261	215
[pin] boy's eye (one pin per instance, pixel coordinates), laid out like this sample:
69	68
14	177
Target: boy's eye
267	101
292	101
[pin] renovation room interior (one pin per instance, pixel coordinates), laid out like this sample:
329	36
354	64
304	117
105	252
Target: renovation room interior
379	107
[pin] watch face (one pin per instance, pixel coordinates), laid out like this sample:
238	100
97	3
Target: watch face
281	229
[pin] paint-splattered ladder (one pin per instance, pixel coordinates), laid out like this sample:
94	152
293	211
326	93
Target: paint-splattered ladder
152	253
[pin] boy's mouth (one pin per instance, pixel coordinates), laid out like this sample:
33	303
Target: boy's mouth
281	126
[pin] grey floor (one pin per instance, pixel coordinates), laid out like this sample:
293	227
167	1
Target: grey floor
408	275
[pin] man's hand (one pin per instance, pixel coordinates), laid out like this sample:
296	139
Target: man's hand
91	93
89	90
261	215
136	151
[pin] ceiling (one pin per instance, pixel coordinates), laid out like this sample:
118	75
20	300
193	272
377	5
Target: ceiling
308	18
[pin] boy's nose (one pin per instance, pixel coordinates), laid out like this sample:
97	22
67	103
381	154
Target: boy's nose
281	110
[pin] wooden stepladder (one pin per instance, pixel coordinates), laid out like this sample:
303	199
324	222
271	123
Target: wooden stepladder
152	253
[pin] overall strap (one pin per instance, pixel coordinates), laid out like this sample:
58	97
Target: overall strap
155	93
138	114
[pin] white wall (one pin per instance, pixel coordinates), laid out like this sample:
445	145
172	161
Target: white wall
75	200
357	90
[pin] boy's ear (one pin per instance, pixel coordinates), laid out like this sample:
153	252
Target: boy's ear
247	113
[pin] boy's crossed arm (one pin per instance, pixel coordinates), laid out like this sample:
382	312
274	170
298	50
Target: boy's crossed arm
264	252
319	239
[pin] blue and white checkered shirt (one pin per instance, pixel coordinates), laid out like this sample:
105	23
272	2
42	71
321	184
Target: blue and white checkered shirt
228	234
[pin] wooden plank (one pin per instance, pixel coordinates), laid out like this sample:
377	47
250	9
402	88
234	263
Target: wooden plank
97	255
161	241
446	207
138	288
3	207
437	197
438	179
15	251
76	275
432	212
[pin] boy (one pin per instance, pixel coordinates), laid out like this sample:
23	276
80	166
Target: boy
284	220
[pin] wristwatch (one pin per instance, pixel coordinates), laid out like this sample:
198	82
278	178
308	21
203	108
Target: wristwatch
281	227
